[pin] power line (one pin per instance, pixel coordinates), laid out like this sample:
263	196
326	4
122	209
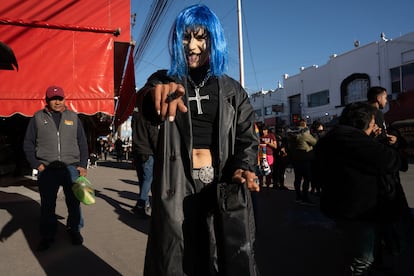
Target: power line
250	52
152	22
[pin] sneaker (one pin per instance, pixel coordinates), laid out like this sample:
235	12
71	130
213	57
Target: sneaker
45	244
142	211
308	203
148	209
76	237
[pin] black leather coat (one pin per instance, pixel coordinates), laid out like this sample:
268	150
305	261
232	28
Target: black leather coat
173	184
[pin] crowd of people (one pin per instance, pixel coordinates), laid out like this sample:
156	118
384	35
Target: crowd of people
195	147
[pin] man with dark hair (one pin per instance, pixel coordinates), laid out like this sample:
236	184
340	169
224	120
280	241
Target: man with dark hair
350	164
55	144
377	97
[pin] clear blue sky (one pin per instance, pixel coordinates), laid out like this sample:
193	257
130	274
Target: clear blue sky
279	37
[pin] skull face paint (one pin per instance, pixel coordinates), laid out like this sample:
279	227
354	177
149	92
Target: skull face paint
196	42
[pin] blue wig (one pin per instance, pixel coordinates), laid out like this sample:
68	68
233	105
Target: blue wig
194	17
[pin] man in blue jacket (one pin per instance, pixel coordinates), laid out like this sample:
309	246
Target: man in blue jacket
55	144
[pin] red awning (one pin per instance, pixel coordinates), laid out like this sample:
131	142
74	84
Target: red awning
127	93
65	43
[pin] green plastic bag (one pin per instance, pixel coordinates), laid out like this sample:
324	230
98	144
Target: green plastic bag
83	190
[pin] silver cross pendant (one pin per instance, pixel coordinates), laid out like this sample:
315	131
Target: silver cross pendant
198	99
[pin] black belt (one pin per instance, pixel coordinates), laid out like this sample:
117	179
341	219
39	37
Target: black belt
204	174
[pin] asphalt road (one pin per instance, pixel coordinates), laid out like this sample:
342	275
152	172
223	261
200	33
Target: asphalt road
292	240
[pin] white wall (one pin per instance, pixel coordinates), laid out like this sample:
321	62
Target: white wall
374	59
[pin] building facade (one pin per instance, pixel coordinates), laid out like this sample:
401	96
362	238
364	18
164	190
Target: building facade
321	92
271	107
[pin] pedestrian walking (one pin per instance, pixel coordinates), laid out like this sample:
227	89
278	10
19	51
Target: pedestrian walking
144	143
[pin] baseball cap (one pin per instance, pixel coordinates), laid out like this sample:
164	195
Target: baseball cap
54	91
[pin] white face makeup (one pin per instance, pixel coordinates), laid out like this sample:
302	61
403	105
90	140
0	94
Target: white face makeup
196	43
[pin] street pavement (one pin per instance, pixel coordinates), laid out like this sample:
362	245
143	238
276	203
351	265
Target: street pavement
292	240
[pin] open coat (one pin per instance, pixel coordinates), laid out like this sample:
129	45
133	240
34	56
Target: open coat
173	183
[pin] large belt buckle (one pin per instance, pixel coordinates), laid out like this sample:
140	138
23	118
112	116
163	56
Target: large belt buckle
206	174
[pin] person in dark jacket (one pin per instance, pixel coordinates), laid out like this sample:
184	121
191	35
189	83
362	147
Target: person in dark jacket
281	163
317	131
144	143
377	97
119	149
350	165
397	206
208	139
55	144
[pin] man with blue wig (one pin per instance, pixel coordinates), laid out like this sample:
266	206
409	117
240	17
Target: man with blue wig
206	138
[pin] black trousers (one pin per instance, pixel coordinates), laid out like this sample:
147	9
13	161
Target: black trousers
49	182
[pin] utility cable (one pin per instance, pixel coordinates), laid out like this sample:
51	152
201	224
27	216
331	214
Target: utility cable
157	10
250	50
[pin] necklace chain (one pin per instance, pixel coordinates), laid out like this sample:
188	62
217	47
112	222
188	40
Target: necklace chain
202	83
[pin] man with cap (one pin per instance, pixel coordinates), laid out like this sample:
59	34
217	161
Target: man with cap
55	144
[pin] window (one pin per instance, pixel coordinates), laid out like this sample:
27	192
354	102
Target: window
258	112
402	78
354	88
357	91
395	80
407	72
268	110
318	98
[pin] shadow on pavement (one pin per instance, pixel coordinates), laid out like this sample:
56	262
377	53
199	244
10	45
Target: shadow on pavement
62	258
125	165
123	210
124	194
296	240
131	182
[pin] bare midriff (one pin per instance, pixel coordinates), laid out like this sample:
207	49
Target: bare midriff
201	158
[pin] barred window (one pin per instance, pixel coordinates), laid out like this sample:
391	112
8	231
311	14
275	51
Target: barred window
318	98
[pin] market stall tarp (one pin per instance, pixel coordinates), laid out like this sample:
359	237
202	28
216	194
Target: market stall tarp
64	43
127	95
